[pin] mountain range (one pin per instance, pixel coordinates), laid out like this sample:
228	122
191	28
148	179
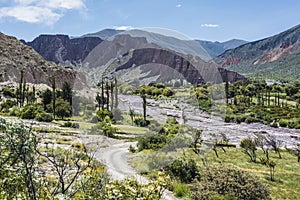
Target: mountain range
141	61
136	56
16	57
215	49
275	57
63	50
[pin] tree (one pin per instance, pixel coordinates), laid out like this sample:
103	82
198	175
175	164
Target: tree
116	94
53	95
100	101
46	98
63	108
69	165
272	165
143	96
131	113
67	92
249	148
274	143
261	142
18	161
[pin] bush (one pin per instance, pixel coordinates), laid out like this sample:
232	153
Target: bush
44	117
283	123
101	114
8	92
71	125
224	180
184	170
181	190
15	111
30	111
5	106
154	141
141	122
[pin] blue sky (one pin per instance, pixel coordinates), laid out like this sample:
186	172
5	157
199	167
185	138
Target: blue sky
215	20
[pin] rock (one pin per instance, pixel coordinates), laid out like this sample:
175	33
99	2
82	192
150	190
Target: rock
16	56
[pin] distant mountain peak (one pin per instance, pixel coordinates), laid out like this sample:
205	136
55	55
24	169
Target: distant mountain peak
217	48
104	34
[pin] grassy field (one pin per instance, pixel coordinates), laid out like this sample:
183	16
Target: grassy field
287	170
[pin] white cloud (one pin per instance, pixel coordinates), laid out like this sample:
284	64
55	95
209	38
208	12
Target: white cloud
31	14
40	11
25	2
210	25
64	4
178	6
123	28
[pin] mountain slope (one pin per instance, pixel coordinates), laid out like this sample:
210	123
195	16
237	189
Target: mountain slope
63	50
251	58
217	48
16	56
104	34
136	60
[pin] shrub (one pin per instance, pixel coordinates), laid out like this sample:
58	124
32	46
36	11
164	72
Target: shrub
181	190
141	122
225	180
8	92
184	170
71	125
101	114
5	106
283	123
15	111
44	117
30	111
154	141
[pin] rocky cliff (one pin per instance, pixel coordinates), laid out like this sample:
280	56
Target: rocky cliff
63	50
193	70
16	56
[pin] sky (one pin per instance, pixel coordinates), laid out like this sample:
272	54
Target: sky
214	20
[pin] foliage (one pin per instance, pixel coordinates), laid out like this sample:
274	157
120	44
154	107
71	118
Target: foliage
230	181
141	122
107	128
30	111
249	148
153	141
44	117
181	190
131	189
155	90
46	96
62	108
184	170
6	105
8	92
17	163
71	124
103	113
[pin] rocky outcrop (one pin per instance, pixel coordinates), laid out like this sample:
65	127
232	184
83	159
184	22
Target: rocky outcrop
63	50
16	56
195	72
